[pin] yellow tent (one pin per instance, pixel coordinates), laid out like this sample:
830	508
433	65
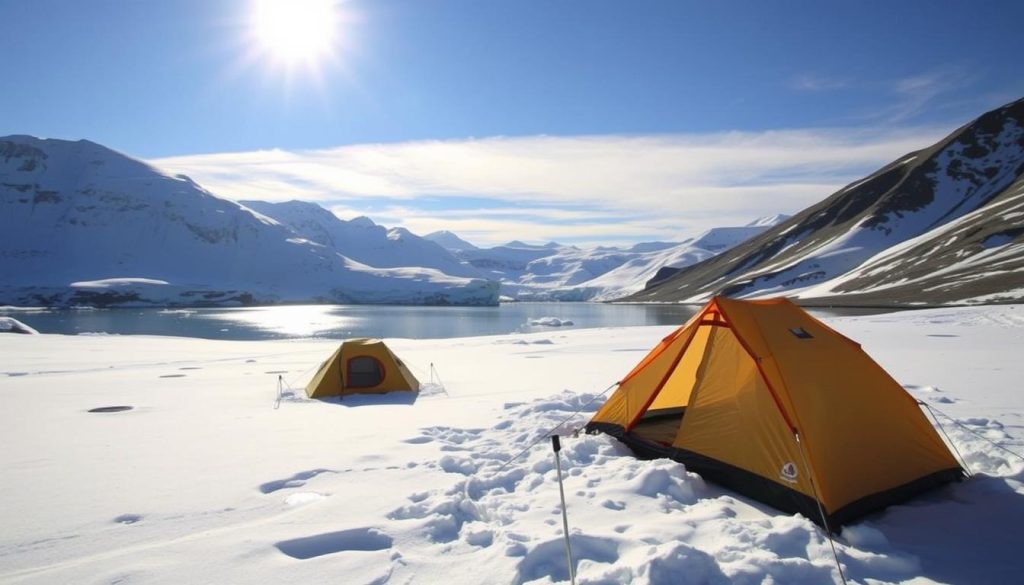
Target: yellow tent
766	400
361	366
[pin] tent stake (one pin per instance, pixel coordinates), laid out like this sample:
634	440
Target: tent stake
821	509
557	446
280	390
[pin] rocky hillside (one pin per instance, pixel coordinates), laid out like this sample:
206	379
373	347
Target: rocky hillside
941	225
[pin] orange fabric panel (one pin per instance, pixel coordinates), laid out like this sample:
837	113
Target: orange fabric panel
862	432
733	418
327	379
665	343
635	391
677	388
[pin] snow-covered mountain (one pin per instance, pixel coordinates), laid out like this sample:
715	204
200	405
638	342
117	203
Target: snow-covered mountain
449	241
568	273
941	225
82	224
632	275
361	239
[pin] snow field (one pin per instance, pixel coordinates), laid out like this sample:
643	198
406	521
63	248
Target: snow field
205	481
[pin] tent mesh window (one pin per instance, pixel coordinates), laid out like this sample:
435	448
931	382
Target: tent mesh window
801	333
364	371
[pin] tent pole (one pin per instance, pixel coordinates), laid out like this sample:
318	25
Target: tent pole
557	446
821	509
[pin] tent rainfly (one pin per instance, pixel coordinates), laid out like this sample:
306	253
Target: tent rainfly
764	399
361	366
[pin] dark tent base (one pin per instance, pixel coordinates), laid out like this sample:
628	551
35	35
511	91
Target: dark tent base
756	487
660	426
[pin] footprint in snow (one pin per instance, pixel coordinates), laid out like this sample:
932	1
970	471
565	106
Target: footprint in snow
419	440
547	559
318	545
172	376
128	518
297	480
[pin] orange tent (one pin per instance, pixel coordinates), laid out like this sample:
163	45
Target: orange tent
762	398
361	366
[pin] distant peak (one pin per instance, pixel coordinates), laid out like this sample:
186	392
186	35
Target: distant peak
362	221
449	240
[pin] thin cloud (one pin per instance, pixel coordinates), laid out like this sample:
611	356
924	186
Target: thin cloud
559	188
813	82
929	92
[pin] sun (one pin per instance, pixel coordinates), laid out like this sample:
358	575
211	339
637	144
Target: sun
295	32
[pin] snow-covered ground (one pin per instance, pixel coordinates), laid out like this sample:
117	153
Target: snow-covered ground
205	481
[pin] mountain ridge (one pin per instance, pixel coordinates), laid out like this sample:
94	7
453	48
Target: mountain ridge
978	164
84	224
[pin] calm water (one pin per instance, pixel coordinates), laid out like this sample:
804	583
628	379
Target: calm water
342	321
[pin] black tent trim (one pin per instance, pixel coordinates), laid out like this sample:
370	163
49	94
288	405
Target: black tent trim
770	492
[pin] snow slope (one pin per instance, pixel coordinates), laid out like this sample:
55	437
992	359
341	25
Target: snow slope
205	481
12	325
948	199
81	224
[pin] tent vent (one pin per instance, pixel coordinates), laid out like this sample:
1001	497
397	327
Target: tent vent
801	333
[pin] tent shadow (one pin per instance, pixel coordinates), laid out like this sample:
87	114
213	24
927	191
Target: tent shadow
391	398
965	533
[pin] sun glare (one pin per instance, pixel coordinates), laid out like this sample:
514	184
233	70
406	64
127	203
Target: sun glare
293	32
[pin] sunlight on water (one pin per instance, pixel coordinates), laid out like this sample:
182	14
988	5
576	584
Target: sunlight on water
291	321
346	321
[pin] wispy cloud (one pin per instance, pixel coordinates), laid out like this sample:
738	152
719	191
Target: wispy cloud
917	94
947	92
816	82
583	189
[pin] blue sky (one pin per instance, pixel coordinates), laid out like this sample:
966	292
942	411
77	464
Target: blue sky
585	121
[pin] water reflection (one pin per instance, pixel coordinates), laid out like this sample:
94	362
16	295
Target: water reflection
288	321
344	321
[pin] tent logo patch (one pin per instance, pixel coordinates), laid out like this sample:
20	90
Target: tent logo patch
789	472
